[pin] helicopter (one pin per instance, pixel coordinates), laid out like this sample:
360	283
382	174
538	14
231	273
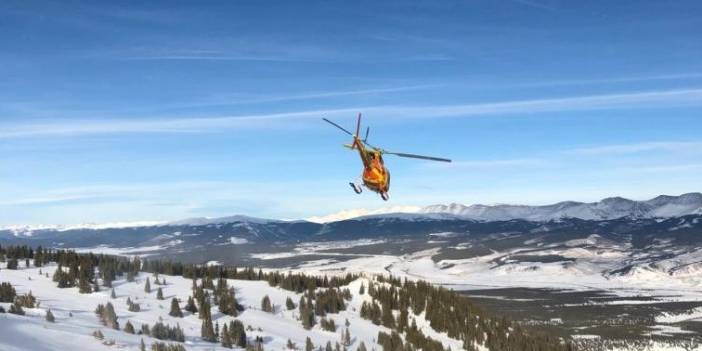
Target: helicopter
375	176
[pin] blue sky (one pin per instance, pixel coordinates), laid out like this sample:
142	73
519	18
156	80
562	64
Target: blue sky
164	110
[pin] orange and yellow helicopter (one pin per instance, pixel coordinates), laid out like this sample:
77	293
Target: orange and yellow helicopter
375	176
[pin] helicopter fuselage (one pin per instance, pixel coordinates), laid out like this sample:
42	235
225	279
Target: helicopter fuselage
376	176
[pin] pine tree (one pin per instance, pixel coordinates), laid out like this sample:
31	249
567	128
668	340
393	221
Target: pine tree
159	294
205	311
289	304
227	303
28	300
207	330
166	332
190	306
7	292
328	347
266	304
346	338
362	347
133	307
238	333
291	345
147	286
388	319
308	319
108	316
175	309
142	347
50	316
129	328
226	337
84	285
328	324
113	295
309	346
362	289
402	320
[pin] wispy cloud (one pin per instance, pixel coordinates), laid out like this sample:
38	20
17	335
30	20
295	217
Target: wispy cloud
491	164
173	125
620	149
535	4
226	99
676	168
242	48
222	57
612	80
648	99
48	200
651	99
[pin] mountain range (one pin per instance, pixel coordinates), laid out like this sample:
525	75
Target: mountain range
635	225
663	206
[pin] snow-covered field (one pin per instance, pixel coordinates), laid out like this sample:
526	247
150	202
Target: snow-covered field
76	320
584	272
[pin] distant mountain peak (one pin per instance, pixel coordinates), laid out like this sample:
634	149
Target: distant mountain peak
222	220
662	206
616	199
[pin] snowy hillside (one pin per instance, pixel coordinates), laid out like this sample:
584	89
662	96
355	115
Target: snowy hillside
75	319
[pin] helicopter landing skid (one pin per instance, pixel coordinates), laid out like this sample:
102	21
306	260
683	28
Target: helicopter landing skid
356	188
385	196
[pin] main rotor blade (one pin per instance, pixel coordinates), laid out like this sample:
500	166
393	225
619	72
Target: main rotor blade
418	156
358	125
338	126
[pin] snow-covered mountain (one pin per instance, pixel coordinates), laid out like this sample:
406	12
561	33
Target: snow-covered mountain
28	230
362	212
610	208
663	206
222	220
